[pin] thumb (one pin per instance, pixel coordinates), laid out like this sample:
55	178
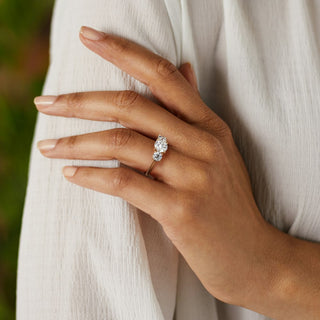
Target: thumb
188	72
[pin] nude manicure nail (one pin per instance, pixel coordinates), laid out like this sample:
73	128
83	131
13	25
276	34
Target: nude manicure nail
91	34
69	171
44	101
46	145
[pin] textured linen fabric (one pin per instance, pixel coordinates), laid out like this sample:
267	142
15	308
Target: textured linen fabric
89	255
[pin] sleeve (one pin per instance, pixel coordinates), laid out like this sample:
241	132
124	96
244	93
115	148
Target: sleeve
84	254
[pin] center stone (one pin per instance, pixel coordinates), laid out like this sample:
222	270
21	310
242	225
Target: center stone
161	144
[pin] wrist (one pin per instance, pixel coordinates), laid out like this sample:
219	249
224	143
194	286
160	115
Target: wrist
286	281
298	287
268	270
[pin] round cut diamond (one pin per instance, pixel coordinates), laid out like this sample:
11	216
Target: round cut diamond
161	144
157	156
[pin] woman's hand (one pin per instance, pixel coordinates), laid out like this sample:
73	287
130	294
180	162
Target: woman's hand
201	193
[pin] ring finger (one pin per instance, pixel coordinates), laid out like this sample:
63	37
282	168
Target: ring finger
125	145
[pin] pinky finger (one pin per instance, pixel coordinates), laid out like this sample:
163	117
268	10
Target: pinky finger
151	196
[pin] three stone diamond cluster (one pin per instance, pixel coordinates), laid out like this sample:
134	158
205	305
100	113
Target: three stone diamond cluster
161	146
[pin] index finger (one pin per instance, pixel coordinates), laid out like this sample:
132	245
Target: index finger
165	81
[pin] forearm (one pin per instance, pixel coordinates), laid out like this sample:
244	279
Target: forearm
289	286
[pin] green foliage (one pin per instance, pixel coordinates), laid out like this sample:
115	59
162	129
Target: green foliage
24	32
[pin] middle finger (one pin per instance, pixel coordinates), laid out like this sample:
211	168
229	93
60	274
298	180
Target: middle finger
164	80
130	110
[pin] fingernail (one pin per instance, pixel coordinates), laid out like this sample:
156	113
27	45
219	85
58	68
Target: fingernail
44	101
69	171
46	145
91	34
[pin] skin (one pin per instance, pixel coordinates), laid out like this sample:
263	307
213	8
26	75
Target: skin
200	192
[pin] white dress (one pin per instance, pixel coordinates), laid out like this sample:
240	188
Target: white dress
89	255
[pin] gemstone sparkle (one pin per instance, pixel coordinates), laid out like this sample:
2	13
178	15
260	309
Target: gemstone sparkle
161	144
157	156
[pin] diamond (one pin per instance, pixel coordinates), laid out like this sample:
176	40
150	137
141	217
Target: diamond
157	156
161	144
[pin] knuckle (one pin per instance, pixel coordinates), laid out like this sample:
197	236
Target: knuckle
207	118
72	142
74	99
220	128
120	45
227	131
120	137
125	98
120	179
165	68
212	147
73	102
212	123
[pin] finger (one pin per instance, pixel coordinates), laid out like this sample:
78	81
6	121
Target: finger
150	196
164	80
188	72
127	146
132	111
125	107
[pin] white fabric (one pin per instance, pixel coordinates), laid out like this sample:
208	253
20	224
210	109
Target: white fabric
88	255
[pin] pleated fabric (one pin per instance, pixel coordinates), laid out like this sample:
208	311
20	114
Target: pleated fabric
89	255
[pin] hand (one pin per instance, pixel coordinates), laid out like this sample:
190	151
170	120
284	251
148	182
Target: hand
201	192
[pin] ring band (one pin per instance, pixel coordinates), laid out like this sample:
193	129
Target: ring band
160	147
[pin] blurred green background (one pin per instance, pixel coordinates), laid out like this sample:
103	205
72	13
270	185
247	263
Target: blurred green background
24	37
